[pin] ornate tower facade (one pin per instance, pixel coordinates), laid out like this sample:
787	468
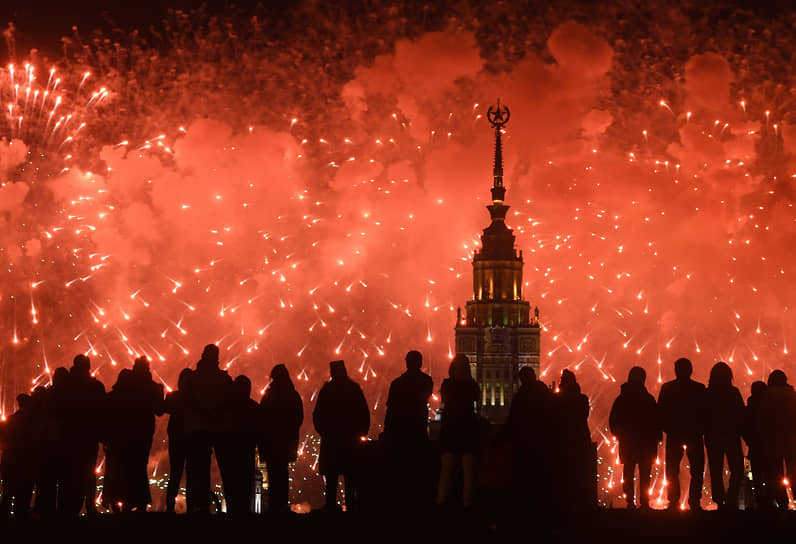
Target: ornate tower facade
497	332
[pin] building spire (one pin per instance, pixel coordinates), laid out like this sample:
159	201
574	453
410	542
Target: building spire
498	116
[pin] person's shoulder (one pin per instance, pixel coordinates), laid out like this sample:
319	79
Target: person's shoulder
666	386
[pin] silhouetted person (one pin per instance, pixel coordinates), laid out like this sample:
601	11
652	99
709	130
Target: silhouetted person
237	453
406	434
85	401
132	406
724	418
282	414
775	422
682	408
459	433
575	456
635	422
529	432
342	418
753	439
175	406
19	459
53	457
209	392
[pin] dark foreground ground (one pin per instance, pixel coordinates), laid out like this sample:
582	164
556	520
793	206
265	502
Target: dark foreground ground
615	526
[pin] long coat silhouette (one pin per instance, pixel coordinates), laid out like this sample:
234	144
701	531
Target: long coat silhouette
85	398
724	421
529	432
576	468
404	440
342	418
282	414
682	407
777	438
635	422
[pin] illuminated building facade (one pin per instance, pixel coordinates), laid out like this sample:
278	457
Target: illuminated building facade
497	332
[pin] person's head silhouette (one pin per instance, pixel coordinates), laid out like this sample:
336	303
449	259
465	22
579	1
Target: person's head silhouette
60	376
683	368
637	376
243	387
777	379
568	383
337	370
414	360
720	375
758	388
280	377
210	354
81	365
527	375
459	368
141	365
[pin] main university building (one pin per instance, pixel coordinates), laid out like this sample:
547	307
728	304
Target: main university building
497	333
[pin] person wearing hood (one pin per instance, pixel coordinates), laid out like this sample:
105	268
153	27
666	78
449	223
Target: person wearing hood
724	413
634	421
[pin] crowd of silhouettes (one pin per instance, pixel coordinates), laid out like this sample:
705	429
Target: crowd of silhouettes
715	419
543	452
